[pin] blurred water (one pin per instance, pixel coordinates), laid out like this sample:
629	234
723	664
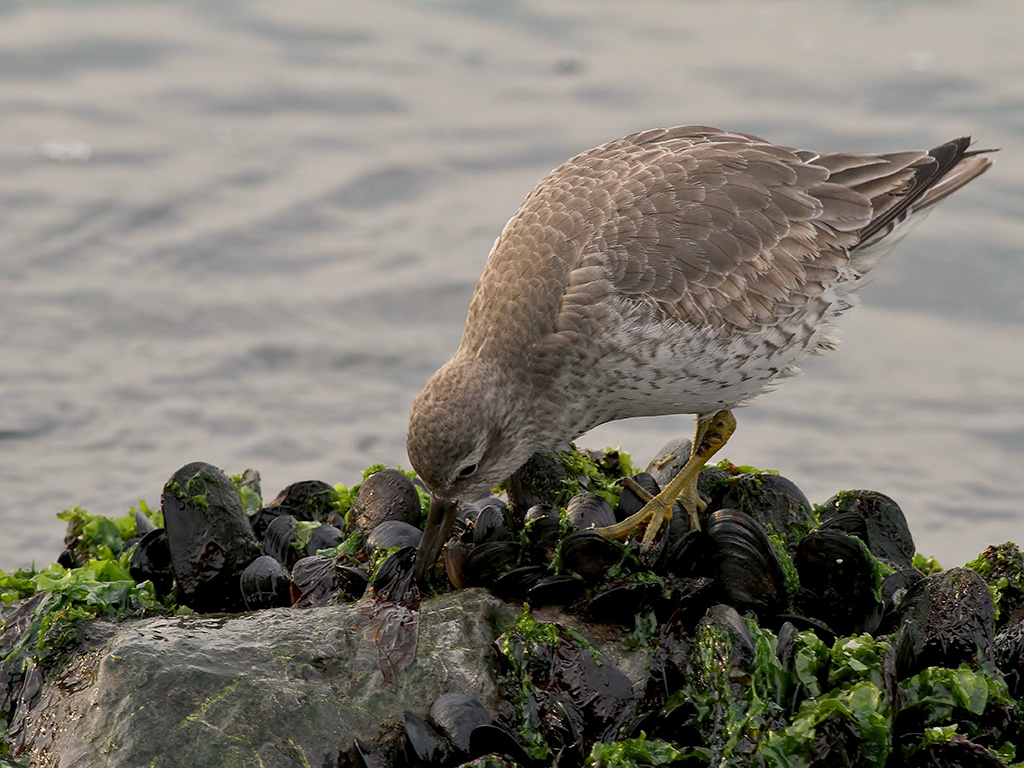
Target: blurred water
247	232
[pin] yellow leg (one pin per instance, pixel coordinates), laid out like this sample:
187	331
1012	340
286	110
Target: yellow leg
712	433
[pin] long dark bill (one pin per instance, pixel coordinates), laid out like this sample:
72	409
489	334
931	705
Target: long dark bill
440	520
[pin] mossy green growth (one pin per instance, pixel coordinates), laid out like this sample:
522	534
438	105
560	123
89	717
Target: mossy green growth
737	698
790	576
926	565
65	599
193	492
1002	568
943	694
858	658
379	556
862	705
96	536
598	473
743	469
251	500
527	647
639	752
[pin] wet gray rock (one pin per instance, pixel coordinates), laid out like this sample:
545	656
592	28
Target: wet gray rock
273	688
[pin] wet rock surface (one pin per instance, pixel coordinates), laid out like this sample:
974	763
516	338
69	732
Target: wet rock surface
274	687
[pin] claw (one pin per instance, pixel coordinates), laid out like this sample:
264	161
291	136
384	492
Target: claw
711	435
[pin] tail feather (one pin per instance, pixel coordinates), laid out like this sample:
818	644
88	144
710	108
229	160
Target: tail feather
933	177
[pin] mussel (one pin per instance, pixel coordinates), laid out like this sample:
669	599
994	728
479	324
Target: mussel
393	533
387	494
209	537
837	578
588	510
151	560
266	583
745	564
590	554
876	519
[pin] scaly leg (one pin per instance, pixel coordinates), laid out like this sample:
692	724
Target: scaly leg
712	433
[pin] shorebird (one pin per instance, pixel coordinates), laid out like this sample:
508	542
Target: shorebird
678	270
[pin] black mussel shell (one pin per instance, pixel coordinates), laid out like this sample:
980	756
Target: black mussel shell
590	554
465	520
837	582
394	533
538	480
774	501
745	565
629	501
619	603
151	561
209	537
687	554
489	739
261	519
742	650
454	556
1004	563
786	645
143	524
361	756
803	623
280	539
895	587
517	583
588	510
352	582
487	562
456	715
556	590
492	522
946	619
68	559
543	527
317	580
266	584
324	537
395	580
1009	650
387	494
850	522
958	752
669	460
422	745
887	533
307	500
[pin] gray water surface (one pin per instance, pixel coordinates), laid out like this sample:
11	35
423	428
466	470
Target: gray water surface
247	232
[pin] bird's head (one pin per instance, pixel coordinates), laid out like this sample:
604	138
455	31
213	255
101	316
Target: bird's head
468	431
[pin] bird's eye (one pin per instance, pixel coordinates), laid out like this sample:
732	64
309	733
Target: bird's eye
467	471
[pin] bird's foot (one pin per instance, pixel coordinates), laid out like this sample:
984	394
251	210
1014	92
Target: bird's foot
712	434
656	511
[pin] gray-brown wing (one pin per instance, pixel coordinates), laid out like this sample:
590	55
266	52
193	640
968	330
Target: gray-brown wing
714	229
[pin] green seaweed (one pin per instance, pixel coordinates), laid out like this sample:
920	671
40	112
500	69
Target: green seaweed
638	752
598	473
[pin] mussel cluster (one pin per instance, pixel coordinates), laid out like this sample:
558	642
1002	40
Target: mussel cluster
769	594
775	634
299	550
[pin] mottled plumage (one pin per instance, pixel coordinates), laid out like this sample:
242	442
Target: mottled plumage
681	270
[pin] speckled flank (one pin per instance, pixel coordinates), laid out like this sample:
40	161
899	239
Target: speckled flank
681	270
